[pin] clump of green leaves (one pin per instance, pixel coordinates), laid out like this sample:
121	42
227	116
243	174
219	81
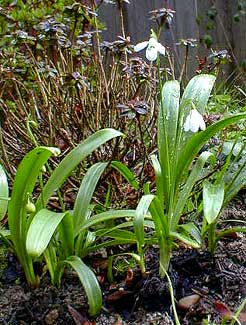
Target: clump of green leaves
59	237
178	167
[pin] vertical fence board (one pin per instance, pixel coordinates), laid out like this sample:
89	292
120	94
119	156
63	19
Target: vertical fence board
226	33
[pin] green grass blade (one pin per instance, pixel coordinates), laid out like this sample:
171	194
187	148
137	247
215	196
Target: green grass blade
89	282
68	164
126	173
85	193
41	230
4	193
228	232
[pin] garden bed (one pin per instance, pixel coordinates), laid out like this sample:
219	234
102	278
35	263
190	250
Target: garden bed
215	285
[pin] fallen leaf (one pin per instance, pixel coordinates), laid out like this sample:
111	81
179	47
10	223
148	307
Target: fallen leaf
101	278
117	295
78	318
224	311
129	277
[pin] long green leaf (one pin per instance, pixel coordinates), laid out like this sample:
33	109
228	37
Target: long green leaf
23	186
198	91
158	179
126	173
66	234
85	193
185	239
105	216
141	211
4	193
195	143
68	164
41	230
167	128
89	282
192	230
236	184
122	234
213	196
162	228
170	98
185	192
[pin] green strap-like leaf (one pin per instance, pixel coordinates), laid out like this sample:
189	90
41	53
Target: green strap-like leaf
167	129
66	234
85	193
185	192
141	211
23	185
126	173
105	216
4	193
195	143
41	230
122	234
198	91
185	239
68	164
89	282
170	98
236	184
158	179
192	230
213	196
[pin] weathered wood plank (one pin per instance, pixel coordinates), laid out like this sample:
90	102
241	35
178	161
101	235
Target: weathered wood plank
226	34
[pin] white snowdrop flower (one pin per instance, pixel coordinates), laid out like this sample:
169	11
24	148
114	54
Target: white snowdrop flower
152	48
194	121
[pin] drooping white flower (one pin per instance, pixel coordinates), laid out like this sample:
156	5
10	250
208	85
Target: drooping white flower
194	121
152	48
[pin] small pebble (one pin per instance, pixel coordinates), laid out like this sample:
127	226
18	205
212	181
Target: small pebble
51	317
186	302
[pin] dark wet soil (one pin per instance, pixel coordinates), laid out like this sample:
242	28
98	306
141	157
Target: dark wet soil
216	281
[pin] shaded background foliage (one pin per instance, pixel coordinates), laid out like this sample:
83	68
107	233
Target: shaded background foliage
68	69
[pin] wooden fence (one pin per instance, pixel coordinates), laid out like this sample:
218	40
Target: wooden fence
225	31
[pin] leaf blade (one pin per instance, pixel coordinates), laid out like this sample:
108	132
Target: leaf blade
41	230
68	164
213	196
4	193
89	282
